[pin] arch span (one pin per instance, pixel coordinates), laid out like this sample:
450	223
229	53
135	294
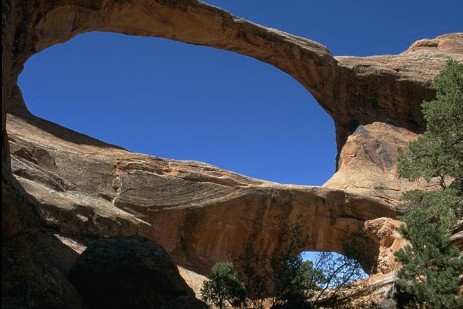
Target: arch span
199	213
194	22
354	91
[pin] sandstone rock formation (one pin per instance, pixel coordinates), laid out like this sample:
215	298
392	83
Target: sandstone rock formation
367	163
385	231
199	213
62	190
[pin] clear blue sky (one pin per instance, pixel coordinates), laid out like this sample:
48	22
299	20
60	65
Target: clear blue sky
186	102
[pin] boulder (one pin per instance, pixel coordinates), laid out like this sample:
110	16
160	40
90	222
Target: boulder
130	272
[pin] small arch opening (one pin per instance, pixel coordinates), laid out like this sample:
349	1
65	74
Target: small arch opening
330	276
320	259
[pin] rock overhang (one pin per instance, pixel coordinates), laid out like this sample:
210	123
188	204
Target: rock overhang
200	213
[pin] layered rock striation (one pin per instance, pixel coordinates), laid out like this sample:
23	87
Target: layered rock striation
199	213
61	190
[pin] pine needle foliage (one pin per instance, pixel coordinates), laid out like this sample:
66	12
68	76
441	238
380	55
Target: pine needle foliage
431	276
223	287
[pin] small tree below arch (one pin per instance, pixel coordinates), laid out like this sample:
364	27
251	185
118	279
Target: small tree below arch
223	286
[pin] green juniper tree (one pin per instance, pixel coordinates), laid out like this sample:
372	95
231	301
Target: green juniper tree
432	266
223	286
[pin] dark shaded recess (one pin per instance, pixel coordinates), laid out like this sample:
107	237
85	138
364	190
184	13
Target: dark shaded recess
130	272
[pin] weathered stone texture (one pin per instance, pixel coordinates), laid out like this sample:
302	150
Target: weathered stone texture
200	213
367	163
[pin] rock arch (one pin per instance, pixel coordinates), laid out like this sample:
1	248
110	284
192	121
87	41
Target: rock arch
199	213
374	102
332	81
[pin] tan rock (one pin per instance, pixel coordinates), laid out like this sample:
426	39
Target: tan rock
199	213
194	280
385	231
390	88
367	163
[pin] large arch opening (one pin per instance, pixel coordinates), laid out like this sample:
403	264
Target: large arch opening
186	102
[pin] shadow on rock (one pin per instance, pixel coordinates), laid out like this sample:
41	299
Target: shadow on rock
130	272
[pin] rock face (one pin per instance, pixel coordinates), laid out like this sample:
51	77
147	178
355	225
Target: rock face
367	163
62	190
199	213
130	272
385	231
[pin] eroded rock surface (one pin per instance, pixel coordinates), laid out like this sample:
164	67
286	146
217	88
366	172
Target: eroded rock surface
367	163
385	231
199	213
69	190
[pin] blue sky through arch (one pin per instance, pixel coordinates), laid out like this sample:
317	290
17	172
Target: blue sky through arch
184	102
